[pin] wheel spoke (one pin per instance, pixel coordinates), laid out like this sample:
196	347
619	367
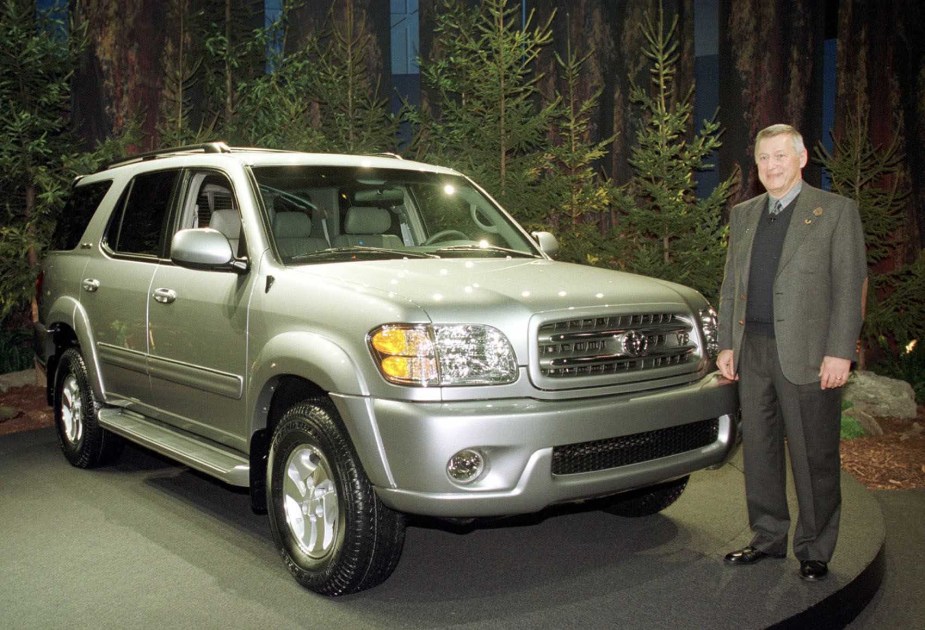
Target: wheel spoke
310	502
72	410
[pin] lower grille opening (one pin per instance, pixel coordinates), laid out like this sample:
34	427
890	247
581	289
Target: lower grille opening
632	449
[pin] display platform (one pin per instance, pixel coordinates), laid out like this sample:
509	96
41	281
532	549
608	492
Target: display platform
149	543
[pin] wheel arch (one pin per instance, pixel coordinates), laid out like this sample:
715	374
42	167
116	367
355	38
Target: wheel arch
70	328
292	367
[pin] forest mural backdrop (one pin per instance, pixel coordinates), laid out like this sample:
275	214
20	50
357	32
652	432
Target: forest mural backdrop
576	114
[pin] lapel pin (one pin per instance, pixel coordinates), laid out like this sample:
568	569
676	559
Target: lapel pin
817	212
807	221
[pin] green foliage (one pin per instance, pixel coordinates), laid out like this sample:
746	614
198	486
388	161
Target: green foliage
874	177
851	428
318	97
275	109
352	115
485	120
181	75
665	230
15	350
39	156
577	196
35	70
233	54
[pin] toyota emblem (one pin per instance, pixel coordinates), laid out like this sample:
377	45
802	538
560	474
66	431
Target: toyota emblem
635	344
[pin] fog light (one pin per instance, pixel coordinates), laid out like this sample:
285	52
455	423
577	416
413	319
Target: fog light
465	466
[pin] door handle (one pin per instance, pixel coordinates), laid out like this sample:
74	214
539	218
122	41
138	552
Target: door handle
164	296
90	285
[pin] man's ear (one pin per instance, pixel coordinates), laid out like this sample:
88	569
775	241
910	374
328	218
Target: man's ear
804	158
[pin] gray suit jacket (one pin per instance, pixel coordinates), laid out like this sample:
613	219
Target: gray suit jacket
818	287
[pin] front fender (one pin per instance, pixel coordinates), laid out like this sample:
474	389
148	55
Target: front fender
328	367
309	356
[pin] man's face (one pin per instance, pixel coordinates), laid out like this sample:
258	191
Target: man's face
779	165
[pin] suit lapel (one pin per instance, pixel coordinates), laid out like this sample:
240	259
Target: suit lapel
805	213
753	215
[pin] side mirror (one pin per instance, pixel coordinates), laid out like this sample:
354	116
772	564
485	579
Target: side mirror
204	248
547	242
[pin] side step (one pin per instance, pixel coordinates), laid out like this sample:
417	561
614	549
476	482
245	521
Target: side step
212	459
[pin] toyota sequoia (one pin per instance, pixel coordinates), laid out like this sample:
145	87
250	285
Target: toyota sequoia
360	338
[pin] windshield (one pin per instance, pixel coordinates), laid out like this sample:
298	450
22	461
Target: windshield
324	214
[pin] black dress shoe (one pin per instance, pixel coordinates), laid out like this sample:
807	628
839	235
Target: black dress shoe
749	555
813	570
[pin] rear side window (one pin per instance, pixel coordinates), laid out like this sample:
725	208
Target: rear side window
78	210
138	226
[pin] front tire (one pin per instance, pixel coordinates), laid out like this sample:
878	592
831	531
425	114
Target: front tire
83	441
333	533
646	501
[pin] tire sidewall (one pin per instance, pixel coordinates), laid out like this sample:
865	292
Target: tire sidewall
307	425
76	452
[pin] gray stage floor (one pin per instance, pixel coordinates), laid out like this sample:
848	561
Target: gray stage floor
147	543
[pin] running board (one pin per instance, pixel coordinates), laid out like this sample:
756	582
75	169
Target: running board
212	459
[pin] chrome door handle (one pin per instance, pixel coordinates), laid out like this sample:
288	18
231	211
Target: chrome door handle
90	285
164	296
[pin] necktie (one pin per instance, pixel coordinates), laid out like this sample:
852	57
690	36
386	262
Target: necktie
776	208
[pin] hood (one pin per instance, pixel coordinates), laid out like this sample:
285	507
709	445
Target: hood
450	289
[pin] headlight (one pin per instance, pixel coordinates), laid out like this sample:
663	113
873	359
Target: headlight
454	354
708	324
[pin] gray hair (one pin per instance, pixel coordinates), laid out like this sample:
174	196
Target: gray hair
778	130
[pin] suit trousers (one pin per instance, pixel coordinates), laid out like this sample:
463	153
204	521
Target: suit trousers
809	418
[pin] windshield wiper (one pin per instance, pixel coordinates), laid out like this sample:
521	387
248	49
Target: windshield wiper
487	249
359	252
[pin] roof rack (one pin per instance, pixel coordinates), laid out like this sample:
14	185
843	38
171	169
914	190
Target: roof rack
206	147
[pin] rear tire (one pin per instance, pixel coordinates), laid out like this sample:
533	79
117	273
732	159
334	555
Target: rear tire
646	501
333	533
83	441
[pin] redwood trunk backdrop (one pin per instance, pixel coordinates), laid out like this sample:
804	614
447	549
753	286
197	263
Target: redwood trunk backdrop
770	67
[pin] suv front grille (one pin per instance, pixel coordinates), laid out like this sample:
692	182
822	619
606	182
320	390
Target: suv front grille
614	344
632	449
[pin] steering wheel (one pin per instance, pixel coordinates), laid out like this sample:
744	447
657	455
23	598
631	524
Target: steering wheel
442	236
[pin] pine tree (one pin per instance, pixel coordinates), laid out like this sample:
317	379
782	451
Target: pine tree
578	195
275	109
352	115
665	230
874	176
176	126
485	119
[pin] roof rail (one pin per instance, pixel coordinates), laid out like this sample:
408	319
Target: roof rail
205	147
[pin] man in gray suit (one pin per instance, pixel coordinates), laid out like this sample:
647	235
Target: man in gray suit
790	313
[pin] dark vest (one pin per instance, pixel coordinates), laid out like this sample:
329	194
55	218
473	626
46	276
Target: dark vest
766	249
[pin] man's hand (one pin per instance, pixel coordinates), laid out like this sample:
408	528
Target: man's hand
725	364
833	372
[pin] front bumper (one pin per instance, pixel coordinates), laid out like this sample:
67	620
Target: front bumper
405	446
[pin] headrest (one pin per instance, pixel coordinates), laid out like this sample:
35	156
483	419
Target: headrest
292	225
227	222
367	220
211	191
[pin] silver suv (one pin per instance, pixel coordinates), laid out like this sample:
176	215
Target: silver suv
358	338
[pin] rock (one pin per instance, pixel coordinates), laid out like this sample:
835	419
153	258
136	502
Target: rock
8	413
18	379
867	421
880	396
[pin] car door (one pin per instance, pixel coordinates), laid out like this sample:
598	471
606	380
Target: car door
197	324
115	283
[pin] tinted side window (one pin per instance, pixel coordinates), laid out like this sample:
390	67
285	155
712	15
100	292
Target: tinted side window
138	228
78	210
